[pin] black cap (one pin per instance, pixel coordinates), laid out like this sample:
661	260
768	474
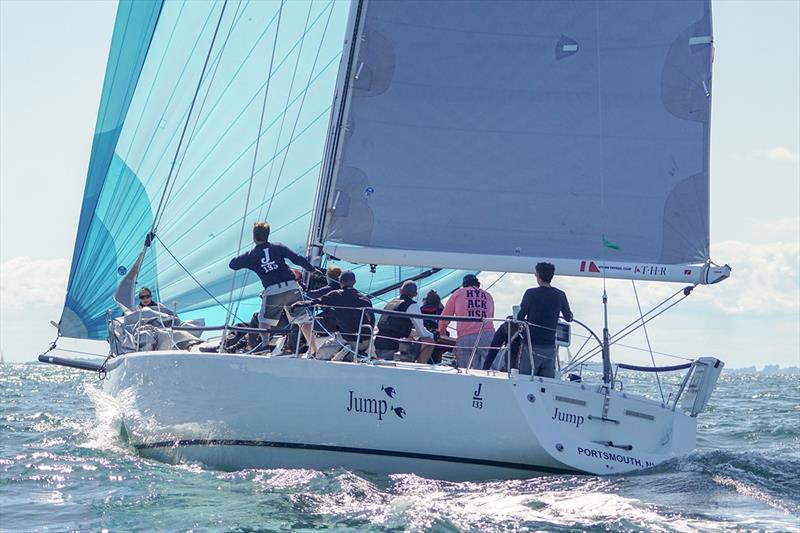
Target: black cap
347	277
470	280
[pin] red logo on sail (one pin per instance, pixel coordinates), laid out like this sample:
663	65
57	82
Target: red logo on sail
589	266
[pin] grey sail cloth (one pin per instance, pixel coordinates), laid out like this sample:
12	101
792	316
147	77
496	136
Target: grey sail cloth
147	329
563	130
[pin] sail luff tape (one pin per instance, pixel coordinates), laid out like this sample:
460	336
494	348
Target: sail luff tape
700	39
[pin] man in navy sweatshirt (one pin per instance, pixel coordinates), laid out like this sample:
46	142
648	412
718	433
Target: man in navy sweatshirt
541	307
281	290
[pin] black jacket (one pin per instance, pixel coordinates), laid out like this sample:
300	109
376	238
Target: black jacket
347	320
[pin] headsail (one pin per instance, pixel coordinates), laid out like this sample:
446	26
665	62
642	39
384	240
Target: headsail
200	227
289	50
510	132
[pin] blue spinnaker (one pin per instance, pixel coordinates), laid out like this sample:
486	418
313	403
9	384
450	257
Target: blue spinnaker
281	58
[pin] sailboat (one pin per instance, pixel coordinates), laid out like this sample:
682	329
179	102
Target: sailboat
441	138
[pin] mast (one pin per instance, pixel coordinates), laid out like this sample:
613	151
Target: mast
332	145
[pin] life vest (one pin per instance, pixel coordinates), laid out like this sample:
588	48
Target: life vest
394	327
430	309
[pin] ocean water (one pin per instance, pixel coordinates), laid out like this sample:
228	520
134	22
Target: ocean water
64	468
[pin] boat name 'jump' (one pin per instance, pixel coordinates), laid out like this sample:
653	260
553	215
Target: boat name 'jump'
374	406
569	418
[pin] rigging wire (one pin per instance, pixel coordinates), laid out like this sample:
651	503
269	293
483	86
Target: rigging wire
297	118
166	108
159	209
204	120
192	135
296	121
636	322
253	167
176	165
278	138
492	284
647	338
197	281
619	336
286	106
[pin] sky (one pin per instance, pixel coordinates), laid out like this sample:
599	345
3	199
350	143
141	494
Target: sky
52	62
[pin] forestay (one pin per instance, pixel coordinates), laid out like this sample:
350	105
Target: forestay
509	132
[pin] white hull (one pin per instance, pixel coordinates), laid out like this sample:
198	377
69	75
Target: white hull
240	411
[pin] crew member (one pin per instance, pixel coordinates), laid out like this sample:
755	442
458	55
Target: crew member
281	290
146	300
541	307
392	328
470	301
345	312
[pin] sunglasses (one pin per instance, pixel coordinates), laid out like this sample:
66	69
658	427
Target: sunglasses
144	296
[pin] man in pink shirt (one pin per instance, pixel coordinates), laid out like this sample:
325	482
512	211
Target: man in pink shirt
470	301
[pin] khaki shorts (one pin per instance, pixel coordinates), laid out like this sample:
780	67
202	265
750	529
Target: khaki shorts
274	304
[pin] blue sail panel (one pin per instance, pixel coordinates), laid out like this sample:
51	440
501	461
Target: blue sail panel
181	142
133	32
151	142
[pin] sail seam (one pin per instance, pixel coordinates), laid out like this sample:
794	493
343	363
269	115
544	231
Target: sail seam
161	202
252	99
173	221
252	173
78	255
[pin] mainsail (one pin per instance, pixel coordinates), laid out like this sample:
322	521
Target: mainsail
233	59
511	132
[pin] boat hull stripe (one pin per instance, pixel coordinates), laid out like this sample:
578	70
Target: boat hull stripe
347	449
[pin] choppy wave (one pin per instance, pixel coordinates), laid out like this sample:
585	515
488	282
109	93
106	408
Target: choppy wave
63	465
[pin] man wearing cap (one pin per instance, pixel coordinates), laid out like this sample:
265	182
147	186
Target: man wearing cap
470	301
392	328
345	312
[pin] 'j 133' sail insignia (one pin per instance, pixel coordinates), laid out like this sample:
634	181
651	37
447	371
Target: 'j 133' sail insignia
185	85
